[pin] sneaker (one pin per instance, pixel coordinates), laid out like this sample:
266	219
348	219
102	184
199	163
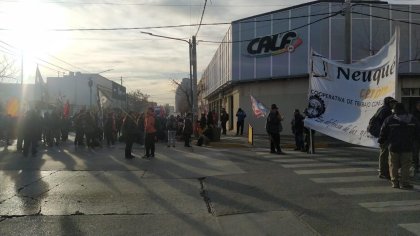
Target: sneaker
407	186
145	156
412	172
382	176
396	185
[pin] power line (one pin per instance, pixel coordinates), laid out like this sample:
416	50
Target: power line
177	26
385	8
296	28
386	18
202	15
150	4
37	58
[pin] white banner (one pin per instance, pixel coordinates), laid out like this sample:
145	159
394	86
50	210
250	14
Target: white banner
343	97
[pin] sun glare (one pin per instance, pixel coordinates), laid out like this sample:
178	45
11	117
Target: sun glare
29	23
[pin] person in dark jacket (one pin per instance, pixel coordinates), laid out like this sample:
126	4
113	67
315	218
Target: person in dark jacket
129	127
110	129
399	131
240	114
382	113
416	145
187	130
297	129
224	117
273	128
31	132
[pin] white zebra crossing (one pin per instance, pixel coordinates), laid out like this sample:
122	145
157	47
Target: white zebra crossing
306	166
412	227
392	206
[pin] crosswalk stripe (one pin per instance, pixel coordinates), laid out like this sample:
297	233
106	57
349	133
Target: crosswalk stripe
333	171
335	159
367	190
412	227
304	165
345	179
407	205
295	160
367	163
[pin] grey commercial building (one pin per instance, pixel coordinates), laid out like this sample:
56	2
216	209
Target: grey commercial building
267	55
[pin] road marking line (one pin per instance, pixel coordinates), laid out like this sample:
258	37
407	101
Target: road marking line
407	205
335	159
368	190
333	171
296	160
350	179
305	165
412	227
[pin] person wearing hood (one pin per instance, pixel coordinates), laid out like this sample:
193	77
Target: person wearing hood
400	130
381	114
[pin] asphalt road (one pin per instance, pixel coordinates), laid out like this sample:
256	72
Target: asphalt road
227	188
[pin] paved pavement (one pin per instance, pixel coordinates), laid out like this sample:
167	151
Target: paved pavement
226	188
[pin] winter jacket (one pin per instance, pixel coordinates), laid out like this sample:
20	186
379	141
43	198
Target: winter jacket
273	124
399	131
149	123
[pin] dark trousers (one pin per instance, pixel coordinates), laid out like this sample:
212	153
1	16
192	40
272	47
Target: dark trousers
109	136
239	127
129	140
274	142
150	144
79	137
299	141
415	158
223	127
187	140
383	159
29	142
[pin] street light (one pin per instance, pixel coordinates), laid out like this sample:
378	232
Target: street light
190	46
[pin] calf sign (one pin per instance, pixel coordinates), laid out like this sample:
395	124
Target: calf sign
274	44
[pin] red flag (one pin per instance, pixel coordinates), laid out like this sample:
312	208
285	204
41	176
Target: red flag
66	110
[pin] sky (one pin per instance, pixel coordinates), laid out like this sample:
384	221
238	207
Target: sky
42	31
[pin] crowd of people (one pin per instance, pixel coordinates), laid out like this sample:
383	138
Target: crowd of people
398	133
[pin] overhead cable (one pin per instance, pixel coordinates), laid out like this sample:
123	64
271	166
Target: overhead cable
387	8
202	15
385	18
296	28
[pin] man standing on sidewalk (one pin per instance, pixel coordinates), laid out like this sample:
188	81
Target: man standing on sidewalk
224	117
274	127
399	131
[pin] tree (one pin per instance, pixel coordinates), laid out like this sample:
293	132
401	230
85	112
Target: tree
7	69
138	101
183	101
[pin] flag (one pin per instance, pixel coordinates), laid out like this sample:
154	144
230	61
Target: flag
258	108
40	86
103	100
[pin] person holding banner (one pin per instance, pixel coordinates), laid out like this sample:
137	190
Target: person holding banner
273	128
399	131
381	114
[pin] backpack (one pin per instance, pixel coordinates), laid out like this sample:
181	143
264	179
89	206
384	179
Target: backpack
375	123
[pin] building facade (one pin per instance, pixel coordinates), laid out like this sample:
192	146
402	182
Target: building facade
82	90
267	55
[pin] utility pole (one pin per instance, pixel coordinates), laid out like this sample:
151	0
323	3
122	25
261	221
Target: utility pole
347	33
194	80
191	79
